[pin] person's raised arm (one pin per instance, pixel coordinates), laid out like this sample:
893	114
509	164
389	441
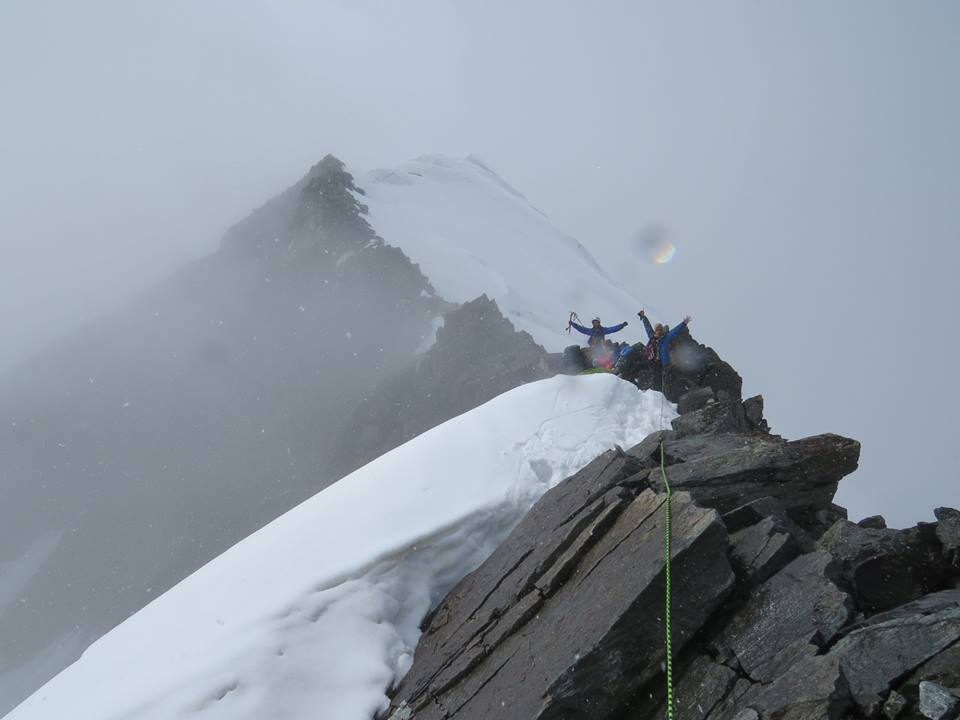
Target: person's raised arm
676	331
581	328
646	324
614	328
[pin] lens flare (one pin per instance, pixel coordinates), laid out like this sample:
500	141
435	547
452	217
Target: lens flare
665	253
653	245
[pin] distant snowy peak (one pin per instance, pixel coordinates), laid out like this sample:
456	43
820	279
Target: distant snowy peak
472	233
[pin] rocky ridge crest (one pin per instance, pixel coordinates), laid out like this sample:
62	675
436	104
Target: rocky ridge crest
781	607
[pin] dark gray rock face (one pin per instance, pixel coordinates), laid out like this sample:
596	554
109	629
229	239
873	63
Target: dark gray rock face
750	513
725	456
888	645
701	688
762	549
698	365
874	522
694	366
528	629
886	568
796	656
477	355
948	533
696	399
572	361
728	416
943	668
798	607
813	689
728	471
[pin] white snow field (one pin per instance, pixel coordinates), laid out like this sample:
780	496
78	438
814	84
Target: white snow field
316	615
471	233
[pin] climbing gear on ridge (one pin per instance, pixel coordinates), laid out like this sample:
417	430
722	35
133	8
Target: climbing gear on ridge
666	548
594	371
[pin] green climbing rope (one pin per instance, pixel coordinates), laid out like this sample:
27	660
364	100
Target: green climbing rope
666	552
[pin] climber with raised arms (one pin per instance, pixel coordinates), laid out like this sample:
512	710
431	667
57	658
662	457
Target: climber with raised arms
660	338
596	331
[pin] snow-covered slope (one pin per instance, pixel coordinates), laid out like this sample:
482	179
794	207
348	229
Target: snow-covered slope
471	233
316	614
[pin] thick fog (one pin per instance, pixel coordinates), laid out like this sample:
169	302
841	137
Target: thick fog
802	160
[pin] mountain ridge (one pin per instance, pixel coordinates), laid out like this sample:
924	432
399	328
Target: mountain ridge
159	436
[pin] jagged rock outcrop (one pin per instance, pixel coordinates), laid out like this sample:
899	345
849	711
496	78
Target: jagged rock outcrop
694	366
727	460
528	632
761	549
776	606
883	648
885	568
948	533
477	355
319	215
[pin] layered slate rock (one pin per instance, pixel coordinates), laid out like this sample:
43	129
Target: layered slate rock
874	522
728	416
760	550
696	399
727	471
768	655
885	568
799	607
702	687
888	645
948	533
943	669
527	635
813	689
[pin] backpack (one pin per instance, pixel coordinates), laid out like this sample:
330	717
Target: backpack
652	350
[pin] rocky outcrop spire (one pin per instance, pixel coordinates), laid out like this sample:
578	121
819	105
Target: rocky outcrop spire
329	211
320	214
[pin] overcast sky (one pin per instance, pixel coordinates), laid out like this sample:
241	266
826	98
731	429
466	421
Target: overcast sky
804	158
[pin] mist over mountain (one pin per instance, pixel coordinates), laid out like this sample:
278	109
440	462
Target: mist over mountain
143	446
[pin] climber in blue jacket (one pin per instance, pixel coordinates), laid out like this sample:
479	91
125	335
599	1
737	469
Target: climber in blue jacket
659	339
597	332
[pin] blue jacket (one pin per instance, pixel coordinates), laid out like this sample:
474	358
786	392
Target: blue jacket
664	349
647	326
597	334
